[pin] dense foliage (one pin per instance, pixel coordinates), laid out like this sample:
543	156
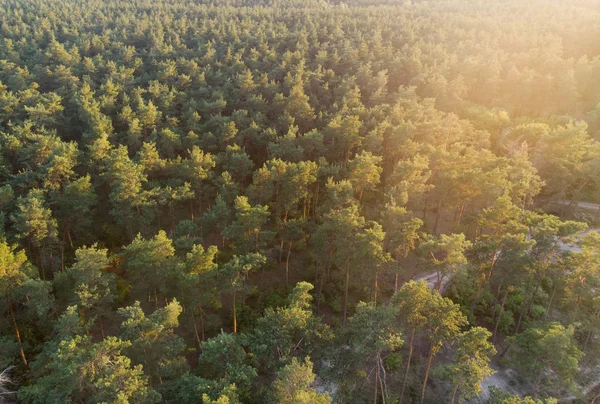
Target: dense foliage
224	201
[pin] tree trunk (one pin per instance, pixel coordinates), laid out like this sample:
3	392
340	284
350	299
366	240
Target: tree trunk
587	340
382	380
196	331
396	284
427	370
376	379
410	351
536	390
454	394
346	292
535	292
475	299
497	300
321	284
375	286
438	213
202	324
518	326
499	316
69	237
287	263
234	315
460	214
550	302
304	208
17	333
316	284
42	265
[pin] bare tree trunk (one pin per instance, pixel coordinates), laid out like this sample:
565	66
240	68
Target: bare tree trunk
454	394
427	370
587	340
316	283
410	352
460	214
196	331
499	316
518	326
475	299
438	213
376	380
17	333
69	237
42	265
346	292
550	302
536	390
287	263
375	286
234	315
382	380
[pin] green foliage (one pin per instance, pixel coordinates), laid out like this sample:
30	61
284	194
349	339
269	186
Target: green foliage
293	385
154	343
345	143
547	355
225	361
77	369
471	363
284	332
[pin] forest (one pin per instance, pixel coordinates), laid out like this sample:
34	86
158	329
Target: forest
299	201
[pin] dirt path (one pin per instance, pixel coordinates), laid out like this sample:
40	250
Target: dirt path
581	205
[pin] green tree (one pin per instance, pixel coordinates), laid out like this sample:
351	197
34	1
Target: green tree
412	301
225	361
364	171
443	321
197	169
547	355
35	224
236	273
126	180
14	271
80	370
150	265
94	287
75	209
444	254
373	335
198	285
471	363
154	343
246	231
284	331
293	385
401	230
